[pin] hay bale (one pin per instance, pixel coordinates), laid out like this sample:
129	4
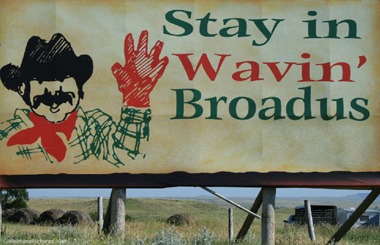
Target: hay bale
20	216
34	213
7	213
25	216
51	216
75	218
179	220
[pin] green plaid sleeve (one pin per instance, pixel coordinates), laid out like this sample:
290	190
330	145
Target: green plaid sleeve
93	137
101	137
132	129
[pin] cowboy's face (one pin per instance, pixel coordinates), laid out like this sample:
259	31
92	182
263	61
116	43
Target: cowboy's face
54	100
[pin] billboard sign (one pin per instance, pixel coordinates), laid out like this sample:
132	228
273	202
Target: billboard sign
171	93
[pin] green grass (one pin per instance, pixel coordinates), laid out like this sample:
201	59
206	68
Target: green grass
146	225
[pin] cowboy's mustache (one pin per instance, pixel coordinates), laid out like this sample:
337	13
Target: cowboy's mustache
49	99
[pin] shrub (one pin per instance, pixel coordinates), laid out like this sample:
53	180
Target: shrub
168	237
65	232
203	237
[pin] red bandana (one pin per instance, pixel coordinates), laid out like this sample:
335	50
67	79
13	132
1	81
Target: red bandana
47	131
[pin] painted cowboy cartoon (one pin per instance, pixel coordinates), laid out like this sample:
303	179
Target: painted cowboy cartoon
50	81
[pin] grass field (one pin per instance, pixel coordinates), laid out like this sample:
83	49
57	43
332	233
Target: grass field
146	224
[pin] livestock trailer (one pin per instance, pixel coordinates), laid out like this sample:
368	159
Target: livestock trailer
320	213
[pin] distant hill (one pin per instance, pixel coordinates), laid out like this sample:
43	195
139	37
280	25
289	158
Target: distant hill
281	202
348	201
360	196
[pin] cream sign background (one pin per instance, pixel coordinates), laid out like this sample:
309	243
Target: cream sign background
241	126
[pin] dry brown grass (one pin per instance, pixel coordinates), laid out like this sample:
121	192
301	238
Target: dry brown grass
146	219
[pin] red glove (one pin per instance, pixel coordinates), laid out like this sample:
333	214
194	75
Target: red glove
137	78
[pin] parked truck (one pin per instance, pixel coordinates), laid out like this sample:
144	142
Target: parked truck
330	214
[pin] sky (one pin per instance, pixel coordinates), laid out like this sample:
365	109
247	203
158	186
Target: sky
192	192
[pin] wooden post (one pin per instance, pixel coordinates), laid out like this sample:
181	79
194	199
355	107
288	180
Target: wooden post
1	213
114	222
230	224
355	216
249	220
100	214
268	219
309	219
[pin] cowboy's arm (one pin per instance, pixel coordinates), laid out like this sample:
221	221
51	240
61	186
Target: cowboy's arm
136	80
132	130
98	135
93	137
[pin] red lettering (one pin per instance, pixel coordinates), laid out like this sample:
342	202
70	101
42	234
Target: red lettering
276	72
346	72
305	69
204	62
254	72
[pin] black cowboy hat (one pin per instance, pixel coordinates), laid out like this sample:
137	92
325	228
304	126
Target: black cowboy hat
47	61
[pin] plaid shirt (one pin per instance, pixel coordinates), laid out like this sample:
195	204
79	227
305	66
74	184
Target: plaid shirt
95	134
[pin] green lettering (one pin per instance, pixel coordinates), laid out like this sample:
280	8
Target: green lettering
250	112
203	26
339	114
359	108
187	28
306	100
264	30
180	111
276	109
214	101
241	28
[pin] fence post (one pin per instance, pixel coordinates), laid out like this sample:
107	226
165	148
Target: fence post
1	213
309	219
268	220
100	214
231	224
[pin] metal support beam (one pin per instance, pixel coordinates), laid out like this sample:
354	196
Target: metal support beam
231	202
249	220
355	216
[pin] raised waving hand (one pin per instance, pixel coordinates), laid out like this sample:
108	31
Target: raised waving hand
141	71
